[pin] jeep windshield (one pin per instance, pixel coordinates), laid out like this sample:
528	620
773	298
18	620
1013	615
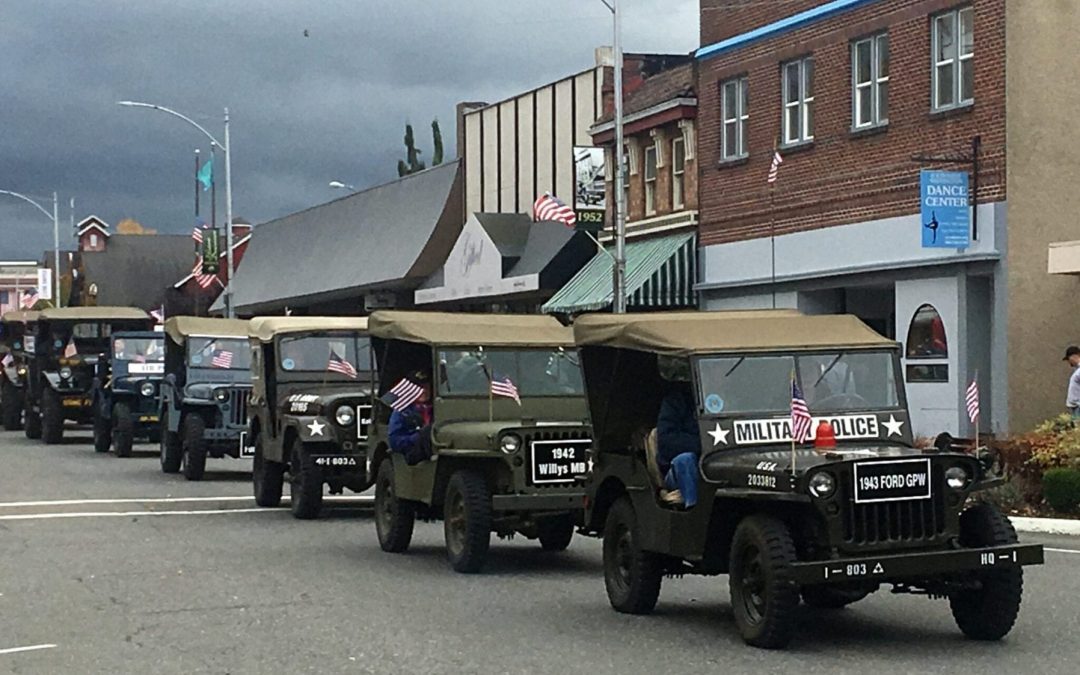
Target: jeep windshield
325	354
535	372
830	382
139	350
80	339
219	353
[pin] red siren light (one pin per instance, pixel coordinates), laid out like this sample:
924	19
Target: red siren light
825	437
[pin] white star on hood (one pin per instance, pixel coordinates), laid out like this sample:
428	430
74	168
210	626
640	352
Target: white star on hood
719	435
894	426
316	428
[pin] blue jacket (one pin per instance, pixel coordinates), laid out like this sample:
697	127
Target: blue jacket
676	428
405	426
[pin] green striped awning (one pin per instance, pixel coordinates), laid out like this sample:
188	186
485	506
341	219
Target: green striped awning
660	272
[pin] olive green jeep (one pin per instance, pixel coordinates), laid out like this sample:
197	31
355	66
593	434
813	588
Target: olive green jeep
16	328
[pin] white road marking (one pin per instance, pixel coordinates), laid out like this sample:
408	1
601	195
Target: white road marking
128	514
31	648
1061	550
164	500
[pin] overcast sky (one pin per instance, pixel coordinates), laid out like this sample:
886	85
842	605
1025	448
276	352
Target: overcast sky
305	110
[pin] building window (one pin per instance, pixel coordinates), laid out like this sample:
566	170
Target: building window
736	106
870	81
927	347
93	240
678	173
650	180
626	184
953	44
799	101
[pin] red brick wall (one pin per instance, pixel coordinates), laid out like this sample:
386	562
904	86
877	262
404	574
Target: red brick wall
721	19
844	177
636	181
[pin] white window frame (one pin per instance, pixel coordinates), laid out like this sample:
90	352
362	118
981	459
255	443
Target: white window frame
650	183
93	240
803	105
955	60
733	144
678	174
872	87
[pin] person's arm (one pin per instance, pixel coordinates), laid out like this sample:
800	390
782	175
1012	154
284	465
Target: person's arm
1072	399
676	429
401	433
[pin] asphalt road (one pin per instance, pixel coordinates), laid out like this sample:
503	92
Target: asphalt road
146	573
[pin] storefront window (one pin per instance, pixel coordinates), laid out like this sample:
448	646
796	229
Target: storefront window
928	346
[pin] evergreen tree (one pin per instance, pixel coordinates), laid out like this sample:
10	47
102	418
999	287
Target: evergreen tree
412	163
436	157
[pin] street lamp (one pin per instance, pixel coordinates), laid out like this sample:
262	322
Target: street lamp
337	185
56	233
229	309
619	282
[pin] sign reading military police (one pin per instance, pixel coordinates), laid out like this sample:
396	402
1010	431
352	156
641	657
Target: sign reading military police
946	219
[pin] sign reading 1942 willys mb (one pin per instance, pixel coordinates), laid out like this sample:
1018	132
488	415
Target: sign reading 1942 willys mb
946	218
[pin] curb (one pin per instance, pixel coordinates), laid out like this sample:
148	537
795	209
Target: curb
1046	525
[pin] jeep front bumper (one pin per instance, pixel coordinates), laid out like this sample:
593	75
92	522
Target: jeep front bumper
908	566
562	501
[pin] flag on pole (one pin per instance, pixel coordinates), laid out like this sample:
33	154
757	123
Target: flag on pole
774	170
403	394
197	233
340	365
501	385
222	359
206	174
973	401
204	280
800	415
158	314
549	207
70	351
29	298
8	360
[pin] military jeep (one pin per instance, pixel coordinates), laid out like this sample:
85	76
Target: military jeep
310	408
125	391
831	519
69	343
497	465
17	327
204	398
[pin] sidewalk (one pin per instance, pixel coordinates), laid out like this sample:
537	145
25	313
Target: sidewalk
1065	526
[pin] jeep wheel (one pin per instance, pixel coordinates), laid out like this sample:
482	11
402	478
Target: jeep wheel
123	432
305	484
267	478
467	521
11	406
829	597
170	447
632	576
102	431
193	454
52	418
763	599
32	423
988	612
555	533
394	518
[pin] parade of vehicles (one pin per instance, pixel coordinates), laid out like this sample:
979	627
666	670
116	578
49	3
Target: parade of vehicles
16	328
125	391
830	520
497	465
68	346
203	409
310	408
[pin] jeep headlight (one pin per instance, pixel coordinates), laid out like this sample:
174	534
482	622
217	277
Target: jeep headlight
221	395
146	388
345	415
21	370
956	477
65	373
510	444
822	484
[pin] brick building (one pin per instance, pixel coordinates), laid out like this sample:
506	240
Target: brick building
859	96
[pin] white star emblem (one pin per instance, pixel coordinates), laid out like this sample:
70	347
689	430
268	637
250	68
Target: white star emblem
316	428
719	435
894	426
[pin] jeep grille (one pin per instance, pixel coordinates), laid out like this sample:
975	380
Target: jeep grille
238	407
910	523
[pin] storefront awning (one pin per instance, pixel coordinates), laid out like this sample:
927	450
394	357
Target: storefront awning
660	272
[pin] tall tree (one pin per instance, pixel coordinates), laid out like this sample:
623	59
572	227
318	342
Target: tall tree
436	157
412	163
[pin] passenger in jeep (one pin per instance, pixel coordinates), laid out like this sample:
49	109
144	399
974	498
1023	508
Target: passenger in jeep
410	427
677	435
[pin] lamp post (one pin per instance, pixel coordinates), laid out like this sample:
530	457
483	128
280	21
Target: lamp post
618	304
56	234
338	185
227	149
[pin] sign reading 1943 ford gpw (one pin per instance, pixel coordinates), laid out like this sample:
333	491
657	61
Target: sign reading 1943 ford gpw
829	517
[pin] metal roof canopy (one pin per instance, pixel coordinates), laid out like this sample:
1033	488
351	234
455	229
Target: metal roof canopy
179	328
264	328
20	316
686	333
459	328
101	313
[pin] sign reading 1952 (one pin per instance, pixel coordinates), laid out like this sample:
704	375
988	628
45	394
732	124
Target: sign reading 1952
589	219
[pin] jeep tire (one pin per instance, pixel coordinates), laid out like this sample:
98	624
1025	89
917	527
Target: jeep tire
170	446
123	429
193	463
555	532
764	599
632	576
52	417
305	483
267	478
394	517
988	612
11	406
102	430
31	423
467	521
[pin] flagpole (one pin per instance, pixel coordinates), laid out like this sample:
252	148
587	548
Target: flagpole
791	408
978	413
197	186
213	193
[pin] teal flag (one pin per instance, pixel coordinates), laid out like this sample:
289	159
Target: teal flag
206	174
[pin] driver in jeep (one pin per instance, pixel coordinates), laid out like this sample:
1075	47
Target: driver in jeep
677	437
410	424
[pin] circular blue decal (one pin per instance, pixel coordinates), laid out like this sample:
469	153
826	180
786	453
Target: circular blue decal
713	403
18	345
288	364
196	359
58	343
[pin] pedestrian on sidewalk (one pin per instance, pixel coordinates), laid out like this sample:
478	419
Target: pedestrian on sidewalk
1072	399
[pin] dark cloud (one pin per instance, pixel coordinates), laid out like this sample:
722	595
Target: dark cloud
306	109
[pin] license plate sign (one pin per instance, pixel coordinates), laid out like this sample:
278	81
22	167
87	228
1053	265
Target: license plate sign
900	480
245	449
331	461
559	461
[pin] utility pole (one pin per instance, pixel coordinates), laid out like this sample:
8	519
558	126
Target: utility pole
618	303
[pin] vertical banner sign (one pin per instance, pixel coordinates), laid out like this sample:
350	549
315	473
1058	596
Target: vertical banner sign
590	204
946	218
210	251
44	283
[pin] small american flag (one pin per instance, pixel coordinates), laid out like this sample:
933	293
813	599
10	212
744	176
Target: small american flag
223	359
70	350
158	314
549	207
504	386
774	170
8	360
340	365
197	233
403	394
29	298
800	415
973	401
